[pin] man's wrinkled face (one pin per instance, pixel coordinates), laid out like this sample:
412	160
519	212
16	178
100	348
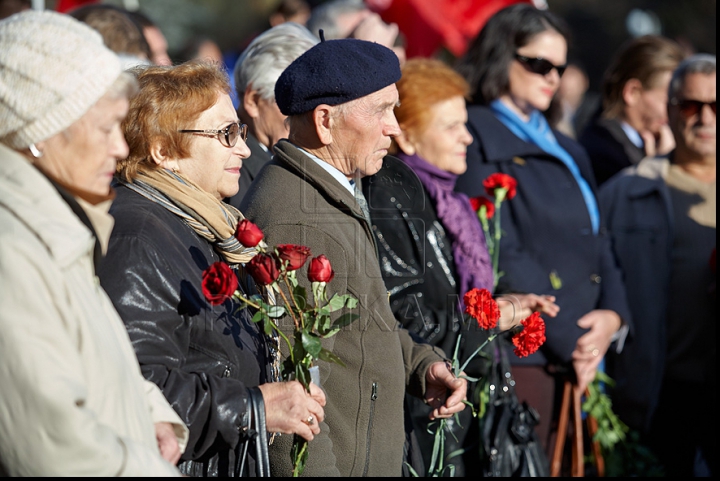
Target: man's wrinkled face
364	131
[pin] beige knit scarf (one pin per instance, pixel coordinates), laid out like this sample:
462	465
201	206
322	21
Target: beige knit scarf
211	218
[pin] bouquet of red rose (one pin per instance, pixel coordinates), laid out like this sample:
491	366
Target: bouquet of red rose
276	270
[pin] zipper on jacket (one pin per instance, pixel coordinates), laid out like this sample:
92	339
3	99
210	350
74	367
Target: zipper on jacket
373	398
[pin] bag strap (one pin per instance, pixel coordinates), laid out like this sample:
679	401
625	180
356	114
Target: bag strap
262	466
571	398
256	433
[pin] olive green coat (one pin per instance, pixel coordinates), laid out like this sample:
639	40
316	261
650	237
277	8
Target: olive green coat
295	201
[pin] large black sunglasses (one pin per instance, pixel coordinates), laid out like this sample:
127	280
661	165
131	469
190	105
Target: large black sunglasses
540	66
229	133
689	107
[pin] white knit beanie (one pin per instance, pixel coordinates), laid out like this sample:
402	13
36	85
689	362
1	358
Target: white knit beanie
53	68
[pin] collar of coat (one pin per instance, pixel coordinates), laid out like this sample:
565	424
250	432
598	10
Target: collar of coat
303	166
28	195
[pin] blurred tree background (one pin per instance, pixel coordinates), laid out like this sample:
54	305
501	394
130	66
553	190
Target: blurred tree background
599	26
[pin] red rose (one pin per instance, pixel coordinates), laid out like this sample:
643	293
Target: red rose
248	234
531	337
480	305
294	255
218	283
477	202
264	269
320	269
500	181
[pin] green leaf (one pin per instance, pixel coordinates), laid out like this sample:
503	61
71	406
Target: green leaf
275	312
336	302
345	320
300	295
328	356
311	344
258	316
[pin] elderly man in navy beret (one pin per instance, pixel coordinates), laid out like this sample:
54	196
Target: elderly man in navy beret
339	97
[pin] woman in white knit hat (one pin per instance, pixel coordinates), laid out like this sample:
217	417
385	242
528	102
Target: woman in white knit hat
73	401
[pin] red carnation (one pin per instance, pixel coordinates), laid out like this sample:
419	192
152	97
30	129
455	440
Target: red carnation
478	202
218	283
264	269
500	181
320	269
531	337
248	234
294	255
480	305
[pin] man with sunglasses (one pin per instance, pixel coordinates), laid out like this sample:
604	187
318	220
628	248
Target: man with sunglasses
662	216
632	122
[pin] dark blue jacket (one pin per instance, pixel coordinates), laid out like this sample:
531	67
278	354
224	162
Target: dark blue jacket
546	231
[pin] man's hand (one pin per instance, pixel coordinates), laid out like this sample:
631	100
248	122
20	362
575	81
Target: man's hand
592	346
439	380
167	442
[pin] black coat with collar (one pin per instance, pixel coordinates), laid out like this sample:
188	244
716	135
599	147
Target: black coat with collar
546	231
204	358
609	148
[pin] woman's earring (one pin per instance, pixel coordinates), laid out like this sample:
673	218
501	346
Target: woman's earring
35	151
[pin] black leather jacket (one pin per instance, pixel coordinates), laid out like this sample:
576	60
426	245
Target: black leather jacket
203	357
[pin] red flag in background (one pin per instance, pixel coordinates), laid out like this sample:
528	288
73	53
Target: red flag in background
64	6
429	25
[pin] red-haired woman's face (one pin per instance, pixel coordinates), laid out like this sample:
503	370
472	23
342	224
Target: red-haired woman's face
444	141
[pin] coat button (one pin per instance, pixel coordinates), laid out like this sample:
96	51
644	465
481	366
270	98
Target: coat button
596	278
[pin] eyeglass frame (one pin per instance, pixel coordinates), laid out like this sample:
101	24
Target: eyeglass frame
527	61
242	133
697	106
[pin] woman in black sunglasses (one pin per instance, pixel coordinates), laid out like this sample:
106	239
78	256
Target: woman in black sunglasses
211	362
552	241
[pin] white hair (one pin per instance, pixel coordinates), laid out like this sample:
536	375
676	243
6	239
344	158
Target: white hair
262	62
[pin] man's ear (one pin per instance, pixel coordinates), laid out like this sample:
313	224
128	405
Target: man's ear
251	98
631	92
405	145
324	122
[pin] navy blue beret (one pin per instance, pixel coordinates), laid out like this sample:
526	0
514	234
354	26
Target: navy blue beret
334	72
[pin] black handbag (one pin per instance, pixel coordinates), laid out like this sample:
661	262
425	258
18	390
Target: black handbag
257	435
509	446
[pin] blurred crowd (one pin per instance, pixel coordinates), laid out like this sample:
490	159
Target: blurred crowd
125	173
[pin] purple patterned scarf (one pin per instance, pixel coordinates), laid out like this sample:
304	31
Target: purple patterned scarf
472	261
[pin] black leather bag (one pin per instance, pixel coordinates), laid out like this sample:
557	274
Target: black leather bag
257	436
509	446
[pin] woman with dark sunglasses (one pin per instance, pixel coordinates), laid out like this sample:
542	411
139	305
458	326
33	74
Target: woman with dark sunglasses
211	362
552	241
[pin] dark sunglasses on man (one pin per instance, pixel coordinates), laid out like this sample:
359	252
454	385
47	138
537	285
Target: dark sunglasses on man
230	134
689	107
539	65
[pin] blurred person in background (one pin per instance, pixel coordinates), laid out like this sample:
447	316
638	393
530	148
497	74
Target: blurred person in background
154	37
297	11
119	32
662	217
633	121
74	402
256	71
211	362
200	48
552	242
10	7
430	242
569	99
353	19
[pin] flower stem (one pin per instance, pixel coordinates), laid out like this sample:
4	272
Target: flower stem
287	304
475	352
267	319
